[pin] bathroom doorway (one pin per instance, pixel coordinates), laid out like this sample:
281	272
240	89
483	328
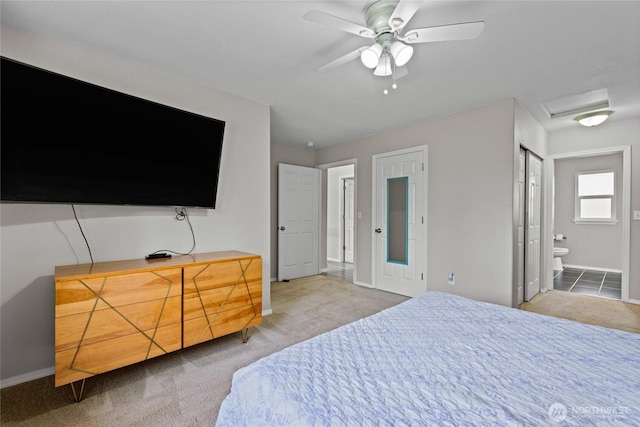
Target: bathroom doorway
597	262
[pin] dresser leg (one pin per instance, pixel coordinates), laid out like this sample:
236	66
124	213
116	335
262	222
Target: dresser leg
78	397
245	335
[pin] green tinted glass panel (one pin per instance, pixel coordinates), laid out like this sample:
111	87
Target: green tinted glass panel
398	220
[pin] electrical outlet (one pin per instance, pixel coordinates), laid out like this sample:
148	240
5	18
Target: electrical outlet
636	215
451	278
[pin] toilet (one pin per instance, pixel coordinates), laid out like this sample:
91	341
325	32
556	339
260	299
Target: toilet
558	253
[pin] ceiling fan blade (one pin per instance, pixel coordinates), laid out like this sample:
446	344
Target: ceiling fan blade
343	59
443	33
404	11
324	18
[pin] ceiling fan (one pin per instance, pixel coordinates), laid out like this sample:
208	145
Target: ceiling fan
385	23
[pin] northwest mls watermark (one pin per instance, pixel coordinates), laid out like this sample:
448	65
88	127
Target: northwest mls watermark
559	412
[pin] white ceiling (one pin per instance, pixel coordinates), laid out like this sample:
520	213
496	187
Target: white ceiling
534	51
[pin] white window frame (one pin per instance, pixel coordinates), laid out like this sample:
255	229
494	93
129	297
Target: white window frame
578	219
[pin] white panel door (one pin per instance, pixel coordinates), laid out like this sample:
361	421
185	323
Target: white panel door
349	219
298	223
532	251
394	173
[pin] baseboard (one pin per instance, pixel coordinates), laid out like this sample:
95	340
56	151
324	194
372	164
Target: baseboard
29	376
584	267
634	301
266	312
366	285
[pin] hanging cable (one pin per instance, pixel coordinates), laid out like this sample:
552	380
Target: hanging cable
82	232
385	91
181	215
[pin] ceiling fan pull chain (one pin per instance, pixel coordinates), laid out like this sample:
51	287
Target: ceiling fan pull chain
393	74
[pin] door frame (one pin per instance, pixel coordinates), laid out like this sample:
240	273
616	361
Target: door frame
519	229
625	214
374	158
322	247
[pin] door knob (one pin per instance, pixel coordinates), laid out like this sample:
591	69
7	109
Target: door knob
282	228
378	230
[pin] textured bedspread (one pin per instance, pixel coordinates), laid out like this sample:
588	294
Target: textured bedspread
441	359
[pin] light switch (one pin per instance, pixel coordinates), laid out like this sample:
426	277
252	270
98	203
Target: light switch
359	214
636	215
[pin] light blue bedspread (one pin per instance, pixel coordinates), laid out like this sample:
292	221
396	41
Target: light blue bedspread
440	359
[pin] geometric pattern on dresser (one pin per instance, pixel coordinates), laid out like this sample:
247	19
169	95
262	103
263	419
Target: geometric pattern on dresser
218	299
99	317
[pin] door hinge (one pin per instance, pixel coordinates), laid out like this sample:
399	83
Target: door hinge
423	220
423	167
421	276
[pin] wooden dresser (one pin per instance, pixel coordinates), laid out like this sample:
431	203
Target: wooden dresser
113	314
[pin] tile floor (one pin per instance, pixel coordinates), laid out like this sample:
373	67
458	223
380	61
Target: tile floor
589	282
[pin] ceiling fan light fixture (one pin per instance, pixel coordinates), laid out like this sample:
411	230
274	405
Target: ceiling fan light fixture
401	53
594	118
384	66
370	57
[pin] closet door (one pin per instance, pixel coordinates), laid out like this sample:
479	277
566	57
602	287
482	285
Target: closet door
533	214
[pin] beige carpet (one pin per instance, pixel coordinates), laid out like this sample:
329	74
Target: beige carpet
587	309
186	388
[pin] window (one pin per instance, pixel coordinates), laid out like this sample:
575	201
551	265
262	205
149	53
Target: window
595	197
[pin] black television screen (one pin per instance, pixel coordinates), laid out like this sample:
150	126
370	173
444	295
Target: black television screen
67	141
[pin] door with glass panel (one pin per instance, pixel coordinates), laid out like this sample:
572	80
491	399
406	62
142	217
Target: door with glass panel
399	221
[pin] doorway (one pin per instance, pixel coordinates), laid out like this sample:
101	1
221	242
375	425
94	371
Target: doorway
340	217
575	232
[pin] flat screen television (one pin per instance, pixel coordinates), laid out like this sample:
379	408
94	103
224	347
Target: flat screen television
67	141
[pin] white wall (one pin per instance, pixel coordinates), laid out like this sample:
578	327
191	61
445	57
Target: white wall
470	190
611	134
36	238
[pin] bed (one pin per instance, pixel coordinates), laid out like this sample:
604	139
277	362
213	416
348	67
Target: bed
441	359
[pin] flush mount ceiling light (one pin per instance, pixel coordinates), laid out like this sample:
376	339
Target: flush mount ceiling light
594	118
